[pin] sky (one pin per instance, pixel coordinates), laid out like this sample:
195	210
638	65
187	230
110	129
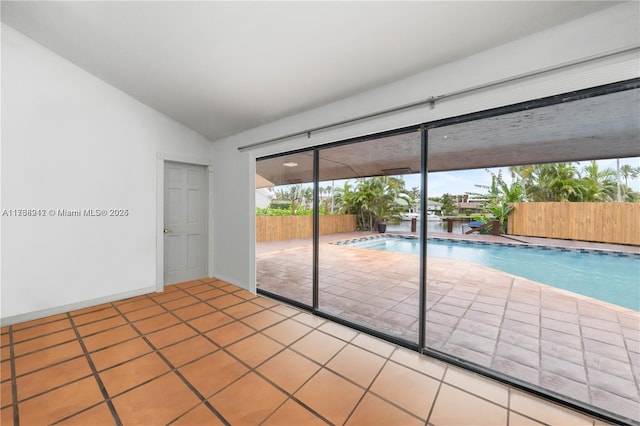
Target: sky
463	181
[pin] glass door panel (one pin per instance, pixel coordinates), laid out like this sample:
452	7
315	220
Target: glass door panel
516	301
369	248
284	226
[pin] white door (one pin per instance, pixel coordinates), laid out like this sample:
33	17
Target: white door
185	230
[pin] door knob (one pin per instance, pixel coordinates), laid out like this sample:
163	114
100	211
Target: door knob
166	230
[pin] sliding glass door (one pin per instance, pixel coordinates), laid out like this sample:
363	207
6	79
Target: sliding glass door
359	232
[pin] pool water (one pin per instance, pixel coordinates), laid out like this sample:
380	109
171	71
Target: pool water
609	276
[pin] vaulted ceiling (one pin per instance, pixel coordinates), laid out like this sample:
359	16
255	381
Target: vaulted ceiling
224	67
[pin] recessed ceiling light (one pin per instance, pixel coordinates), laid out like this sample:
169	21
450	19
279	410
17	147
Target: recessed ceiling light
289	164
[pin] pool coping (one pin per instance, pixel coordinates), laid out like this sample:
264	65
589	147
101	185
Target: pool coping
521	245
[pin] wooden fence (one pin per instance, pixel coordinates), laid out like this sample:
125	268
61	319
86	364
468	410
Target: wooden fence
278	228
616	223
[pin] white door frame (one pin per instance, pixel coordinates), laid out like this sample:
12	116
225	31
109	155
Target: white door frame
161	159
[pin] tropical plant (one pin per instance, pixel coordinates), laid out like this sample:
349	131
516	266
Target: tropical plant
373	200
565	182
549	182
298	196
627	171
344	198
501	196
597	184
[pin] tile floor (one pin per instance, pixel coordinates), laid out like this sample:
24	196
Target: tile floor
206	352
577	346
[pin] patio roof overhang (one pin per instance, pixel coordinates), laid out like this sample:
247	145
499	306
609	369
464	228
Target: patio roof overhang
598	127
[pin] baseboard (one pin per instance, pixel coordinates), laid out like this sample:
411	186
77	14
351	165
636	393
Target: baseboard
230	281
30	316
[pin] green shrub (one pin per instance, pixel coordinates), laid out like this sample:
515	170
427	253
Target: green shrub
300	211
280	205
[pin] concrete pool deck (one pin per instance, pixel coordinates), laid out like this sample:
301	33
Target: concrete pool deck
573	345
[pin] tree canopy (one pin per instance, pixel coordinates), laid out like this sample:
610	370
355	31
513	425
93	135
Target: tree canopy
383	198
568	182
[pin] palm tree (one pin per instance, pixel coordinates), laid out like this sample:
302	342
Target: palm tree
598	185
328	198
281	194
627	171
372	200
296	194
550	182
564	182
345	198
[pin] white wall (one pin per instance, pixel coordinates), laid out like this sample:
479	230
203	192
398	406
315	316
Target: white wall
591	36
71	141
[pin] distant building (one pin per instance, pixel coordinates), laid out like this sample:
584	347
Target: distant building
434	206
466	204
264	197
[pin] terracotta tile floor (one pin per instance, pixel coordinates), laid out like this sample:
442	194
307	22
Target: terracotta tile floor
573	345
207	353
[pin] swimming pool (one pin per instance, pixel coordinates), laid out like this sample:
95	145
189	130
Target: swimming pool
613	277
